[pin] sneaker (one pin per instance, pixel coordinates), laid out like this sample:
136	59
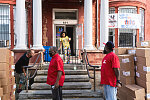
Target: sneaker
68	62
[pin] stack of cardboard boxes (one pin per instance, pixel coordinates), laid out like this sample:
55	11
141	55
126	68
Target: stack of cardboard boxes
127	69
143	69
129	90
7	79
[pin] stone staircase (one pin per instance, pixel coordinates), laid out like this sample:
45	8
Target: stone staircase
76	86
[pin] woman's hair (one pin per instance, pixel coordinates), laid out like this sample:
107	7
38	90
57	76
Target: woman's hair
62	33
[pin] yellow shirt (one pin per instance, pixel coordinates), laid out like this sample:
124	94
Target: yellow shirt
65	41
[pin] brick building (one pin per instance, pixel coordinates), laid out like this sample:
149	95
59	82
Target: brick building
36	23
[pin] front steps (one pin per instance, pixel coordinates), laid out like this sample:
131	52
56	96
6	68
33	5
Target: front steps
47	94
76	86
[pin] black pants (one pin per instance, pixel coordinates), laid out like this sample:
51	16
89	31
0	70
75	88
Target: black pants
57	93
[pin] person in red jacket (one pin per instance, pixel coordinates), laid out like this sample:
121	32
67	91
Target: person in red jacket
110	72
56	74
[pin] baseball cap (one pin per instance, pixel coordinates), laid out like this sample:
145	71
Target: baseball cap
110	45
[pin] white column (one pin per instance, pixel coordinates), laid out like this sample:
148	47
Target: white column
104	10
20	25
88	25
37	24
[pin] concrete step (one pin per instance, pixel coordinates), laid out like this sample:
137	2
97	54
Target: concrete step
67	86
66	66
68	78
47	94
67	72
70	99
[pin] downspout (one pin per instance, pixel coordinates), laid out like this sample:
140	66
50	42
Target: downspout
97	3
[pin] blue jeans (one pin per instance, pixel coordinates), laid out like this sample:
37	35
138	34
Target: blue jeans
110	92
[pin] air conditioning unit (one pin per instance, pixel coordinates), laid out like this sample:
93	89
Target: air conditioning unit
4	43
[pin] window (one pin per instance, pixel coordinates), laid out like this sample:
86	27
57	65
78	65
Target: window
65	14
111	31
112	35
4	26
141	30
112	10
127	37
128	10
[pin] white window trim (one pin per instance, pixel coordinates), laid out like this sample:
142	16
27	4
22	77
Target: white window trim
127	7
63	10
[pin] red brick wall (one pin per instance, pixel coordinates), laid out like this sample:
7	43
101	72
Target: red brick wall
147	21
47	18
95	57
8	1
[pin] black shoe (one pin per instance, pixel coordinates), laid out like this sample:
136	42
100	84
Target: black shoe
19	90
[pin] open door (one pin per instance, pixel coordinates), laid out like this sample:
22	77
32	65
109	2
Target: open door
58	30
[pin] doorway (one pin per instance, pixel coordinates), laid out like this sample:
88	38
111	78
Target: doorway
70	29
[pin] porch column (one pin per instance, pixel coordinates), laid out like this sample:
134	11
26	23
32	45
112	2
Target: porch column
104	23
37	24
88	25
20	25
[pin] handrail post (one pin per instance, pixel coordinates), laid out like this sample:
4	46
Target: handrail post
94	79
27	81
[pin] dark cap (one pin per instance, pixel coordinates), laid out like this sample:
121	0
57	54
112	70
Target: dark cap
110	45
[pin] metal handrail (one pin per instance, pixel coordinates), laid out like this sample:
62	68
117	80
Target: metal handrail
94	66
27	67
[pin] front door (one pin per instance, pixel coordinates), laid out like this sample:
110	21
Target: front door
58	30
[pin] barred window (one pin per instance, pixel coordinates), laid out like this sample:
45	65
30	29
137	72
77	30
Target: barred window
4	26
127	37
111	10
128	10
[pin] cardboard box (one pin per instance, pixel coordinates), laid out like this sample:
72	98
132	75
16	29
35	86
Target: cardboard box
4	55
5	97
1	92
126	58
132	51
12	80
127	80
12	97
143	84
127	73
127	66
5	89
131	98
135	91
11	73
143	44
11	60
143	52
145	77
120	51
145	61
4	81
147	96
3	74
4	66
143	69
122	94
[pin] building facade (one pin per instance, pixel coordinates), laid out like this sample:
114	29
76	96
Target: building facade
36	23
